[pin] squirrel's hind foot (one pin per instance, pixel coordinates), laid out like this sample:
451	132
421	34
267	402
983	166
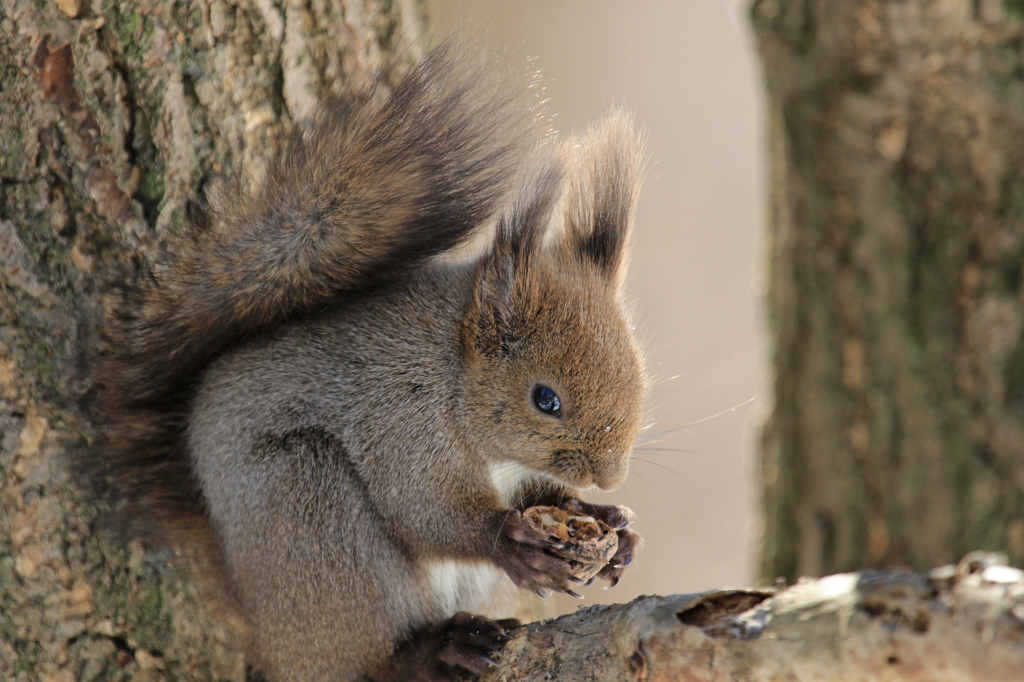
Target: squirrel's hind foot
466	641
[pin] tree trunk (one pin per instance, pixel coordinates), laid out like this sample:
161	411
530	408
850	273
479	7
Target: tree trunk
895	282
112	116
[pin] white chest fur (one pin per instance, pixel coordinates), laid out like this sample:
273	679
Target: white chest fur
480	587
475	587
507	479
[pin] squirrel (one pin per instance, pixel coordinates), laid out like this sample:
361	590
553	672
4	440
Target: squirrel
342	420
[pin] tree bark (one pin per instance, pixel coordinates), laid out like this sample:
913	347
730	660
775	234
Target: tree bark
958	624
896	246
112	116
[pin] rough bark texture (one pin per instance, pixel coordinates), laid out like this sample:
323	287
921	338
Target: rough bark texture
896	298
960	624
112	114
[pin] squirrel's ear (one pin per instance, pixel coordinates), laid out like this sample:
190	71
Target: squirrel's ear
506	283
605	168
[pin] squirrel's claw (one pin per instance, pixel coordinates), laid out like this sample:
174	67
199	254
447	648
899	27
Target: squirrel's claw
471	642
530	558
629	542
619	519
465	641
508	624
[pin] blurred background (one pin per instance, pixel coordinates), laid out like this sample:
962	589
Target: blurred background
688	71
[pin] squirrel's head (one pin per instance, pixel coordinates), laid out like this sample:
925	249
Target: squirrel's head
552	368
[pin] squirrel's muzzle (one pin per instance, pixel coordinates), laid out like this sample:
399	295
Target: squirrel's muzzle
612	473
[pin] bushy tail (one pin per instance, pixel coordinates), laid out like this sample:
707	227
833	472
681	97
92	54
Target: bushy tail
375	186
370	190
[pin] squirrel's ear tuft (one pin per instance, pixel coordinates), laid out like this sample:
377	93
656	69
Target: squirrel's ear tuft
506	283
605	167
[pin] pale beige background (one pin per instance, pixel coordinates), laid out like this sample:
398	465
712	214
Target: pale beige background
686	68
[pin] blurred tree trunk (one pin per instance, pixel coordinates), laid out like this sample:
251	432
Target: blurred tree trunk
895	282
112	116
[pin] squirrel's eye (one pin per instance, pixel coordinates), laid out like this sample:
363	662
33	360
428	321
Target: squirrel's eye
547	401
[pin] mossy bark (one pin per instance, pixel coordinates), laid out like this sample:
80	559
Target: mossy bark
896	247
112	116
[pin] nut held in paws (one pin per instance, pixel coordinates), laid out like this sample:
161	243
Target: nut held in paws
588	544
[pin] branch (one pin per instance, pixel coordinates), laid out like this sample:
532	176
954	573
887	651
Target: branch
960	623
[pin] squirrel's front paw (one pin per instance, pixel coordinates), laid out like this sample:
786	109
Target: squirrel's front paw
618	518
530	557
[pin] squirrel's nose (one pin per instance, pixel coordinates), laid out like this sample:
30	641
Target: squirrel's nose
612	472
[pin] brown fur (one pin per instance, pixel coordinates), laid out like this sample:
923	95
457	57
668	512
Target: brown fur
366	194
324	414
